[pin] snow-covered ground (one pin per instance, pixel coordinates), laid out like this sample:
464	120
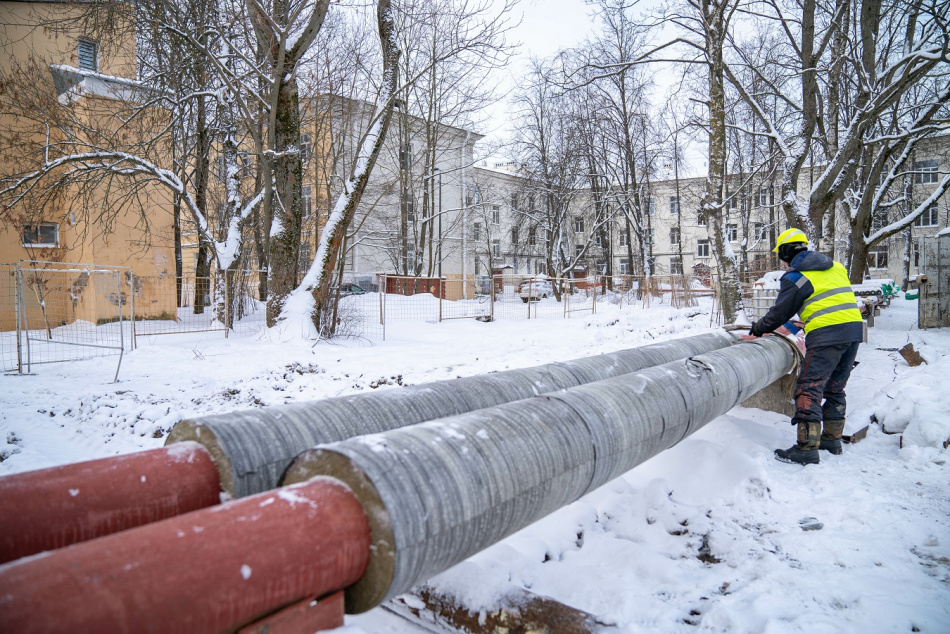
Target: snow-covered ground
712	535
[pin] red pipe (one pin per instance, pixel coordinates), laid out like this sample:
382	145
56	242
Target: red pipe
309	615
207	571
52	508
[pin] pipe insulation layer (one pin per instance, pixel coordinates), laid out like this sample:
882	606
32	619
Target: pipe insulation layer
56	507
212	570
438	492
253	448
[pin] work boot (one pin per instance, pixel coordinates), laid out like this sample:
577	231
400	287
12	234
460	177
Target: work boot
806	451
831	436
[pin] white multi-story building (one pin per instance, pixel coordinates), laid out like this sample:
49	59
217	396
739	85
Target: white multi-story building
434	213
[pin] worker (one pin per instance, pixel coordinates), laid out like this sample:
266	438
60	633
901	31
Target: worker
818	289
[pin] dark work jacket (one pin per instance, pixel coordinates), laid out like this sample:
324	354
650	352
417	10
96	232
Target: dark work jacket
791	297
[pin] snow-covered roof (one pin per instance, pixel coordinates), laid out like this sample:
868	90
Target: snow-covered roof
73	83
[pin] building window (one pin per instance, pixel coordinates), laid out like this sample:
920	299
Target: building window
701	218
307	202
405	156
915	251
88	54
763	197
732	232
650	206
477	231
496	248
674	205
514	235
410	210
928	218
761	231
877	257
532	236
702	249
530	202
305	148
40	234
514	202
675	235
624	238
734	202
676	265
578	250
495	215
578	224
925	172
624	267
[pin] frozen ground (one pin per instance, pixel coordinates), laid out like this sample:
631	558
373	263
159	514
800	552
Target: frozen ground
712	535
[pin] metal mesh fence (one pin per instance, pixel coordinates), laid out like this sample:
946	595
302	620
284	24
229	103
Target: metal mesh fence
64	312
508	297
9	344
79	305
167	305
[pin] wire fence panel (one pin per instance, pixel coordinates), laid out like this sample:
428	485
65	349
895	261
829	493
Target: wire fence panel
168	305
461	300
246	294
9	336
67	312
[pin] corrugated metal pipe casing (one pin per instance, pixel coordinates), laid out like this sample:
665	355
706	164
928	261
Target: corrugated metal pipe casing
252	448
438	492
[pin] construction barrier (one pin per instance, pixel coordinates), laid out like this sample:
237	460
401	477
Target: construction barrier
211	570
53	508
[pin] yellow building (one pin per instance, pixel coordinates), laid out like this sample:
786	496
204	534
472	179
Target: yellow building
59	87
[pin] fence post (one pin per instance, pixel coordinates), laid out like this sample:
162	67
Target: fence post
132	338
118	294
18	305
593	310
382	304
26	323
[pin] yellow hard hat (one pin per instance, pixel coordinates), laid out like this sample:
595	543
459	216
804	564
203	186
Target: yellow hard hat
789	236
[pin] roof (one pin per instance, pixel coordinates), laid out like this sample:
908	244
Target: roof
72	83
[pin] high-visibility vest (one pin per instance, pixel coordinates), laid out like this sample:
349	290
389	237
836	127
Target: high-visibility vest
832	301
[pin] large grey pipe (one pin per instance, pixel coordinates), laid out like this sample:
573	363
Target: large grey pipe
438	492
252	448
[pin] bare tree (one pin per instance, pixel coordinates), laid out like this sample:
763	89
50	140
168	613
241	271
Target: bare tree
876	120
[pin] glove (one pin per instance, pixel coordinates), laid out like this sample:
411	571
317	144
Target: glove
754	330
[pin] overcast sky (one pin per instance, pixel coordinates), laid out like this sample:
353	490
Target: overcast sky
545	27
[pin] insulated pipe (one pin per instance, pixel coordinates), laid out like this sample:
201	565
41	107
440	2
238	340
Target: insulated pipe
212	570
438	492
252	448
52	508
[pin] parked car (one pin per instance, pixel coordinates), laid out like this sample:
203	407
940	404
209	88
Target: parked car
535	290
347	289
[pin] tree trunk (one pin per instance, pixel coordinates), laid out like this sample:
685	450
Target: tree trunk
342	215
284	252
730	295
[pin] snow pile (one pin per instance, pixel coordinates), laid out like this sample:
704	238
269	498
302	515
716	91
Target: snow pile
916	405
770	281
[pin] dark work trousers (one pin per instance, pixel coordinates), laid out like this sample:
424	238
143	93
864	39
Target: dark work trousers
825	374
